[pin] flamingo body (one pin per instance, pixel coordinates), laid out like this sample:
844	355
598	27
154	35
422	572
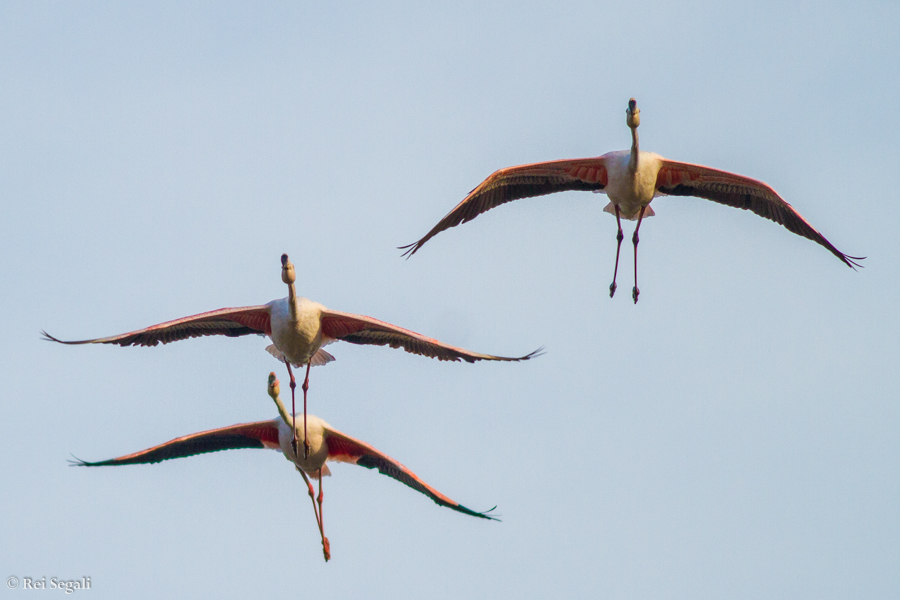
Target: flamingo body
314	437
298	338
630	192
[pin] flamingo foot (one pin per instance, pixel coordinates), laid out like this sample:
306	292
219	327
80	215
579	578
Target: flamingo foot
612	289
326	548
305	449
635	292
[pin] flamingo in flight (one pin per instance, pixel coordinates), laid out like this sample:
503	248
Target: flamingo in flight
298	328
325	444
631	179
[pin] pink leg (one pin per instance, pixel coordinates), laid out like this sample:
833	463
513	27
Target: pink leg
312	496
619	237
312	492
635	239
326	545
293	406
305	388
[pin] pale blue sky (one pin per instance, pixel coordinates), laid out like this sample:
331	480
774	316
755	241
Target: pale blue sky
734	435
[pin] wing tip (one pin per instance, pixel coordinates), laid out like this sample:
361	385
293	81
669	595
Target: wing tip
49	338
410	249
475	513
533	354
78	462
853	261
486	514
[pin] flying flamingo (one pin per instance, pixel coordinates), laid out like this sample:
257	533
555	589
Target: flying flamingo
631	179
324	442
299	328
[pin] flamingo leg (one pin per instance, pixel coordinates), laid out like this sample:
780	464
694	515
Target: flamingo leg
293	408
326	545
635	292
312	497
305	389
619	237
312	492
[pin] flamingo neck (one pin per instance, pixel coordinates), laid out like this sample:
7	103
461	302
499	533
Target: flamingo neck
289	276
633	161
282	410
293	304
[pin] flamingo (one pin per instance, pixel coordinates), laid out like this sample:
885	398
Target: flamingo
325	443
298	328
631	179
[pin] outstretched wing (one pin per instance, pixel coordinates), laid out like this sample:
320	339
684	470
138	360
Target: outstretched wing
684	179
343	448
262	434
358	329
524	181
232	322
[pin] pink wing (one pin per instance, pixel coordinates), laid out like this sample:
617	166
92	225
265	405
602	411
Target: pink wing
524	181
262	434
358	329
343	448
231	322
684	179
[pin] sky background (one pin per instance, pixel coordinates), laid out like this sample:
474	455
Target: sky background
735	434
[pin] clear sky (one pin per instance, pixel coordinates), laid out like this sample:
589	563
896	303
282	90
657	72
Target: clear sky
734	435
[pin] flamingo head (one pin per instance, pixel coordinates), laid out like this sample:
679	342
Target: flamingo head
633	114
287	270
274	386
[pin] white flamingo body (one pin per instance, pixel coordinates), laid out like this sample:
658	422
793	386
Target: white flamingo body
314	436
298	338
630	191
